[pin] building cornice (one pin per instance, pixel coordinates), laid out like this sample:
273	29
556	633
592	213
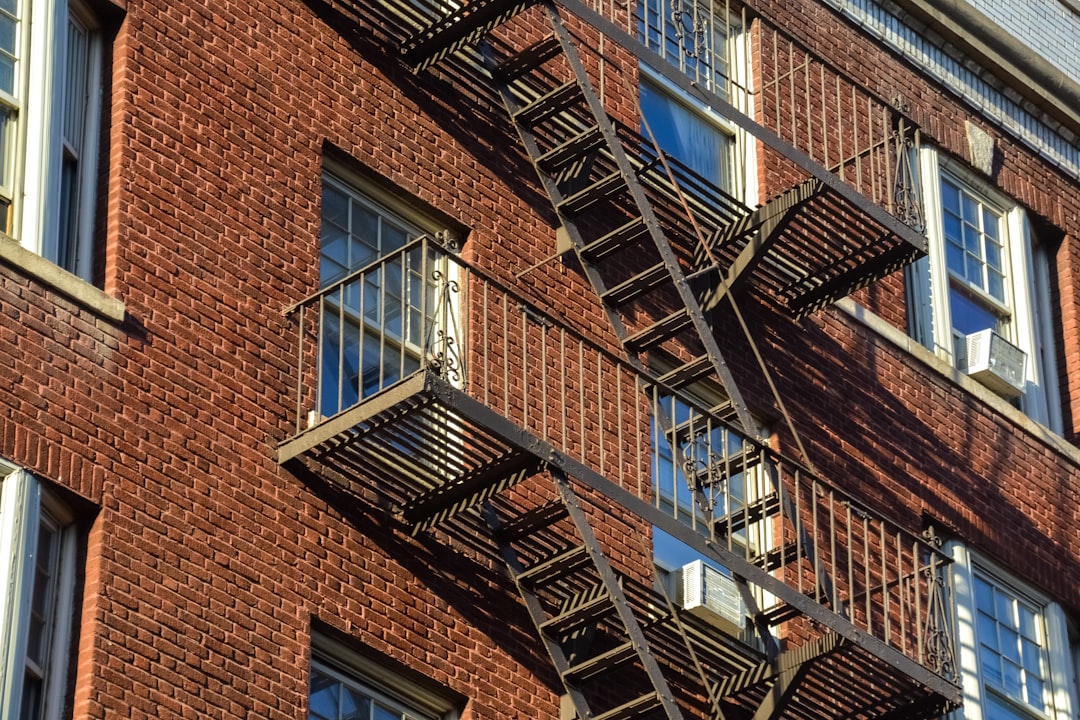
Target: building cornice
1024	70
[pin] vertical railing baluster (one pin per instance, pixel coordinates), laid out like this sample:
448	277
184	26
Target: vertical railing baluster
920	638
300	372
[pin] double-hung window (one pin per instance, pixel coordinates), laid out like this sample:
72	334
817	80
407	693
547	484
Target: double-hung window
37	560
388	303
1014	646
50	110
985	280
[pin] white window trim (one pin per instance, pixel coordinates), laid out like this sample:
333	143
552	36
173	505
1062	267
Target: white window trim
1028	327
1061	674
338	659
36	216
23	500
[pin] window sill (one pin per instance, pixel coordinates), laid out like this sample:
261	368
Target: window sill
62	281
908	344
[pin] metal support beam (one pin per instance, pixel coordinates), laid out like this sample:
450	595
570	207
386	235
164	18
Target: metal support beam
767	224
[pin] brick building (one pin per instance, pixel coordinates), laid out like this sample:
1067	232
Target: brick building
426	359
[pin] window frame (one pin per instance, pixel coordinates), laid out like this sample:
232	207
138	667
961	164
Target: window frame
25	503
1027	282
36	222
446	312
1061	692
381	679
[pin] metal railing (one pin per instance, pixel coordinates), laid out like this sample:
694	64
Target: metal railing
531	368
776	82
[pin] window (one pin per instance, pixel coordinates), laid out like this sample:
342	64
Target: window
1013	644
50	109
704	41
346	685
38	555
984	272
727	465
696	138
694	37
390	300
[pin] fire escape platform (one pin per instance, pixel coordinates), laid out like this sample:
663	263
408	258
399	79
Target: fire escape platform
436	454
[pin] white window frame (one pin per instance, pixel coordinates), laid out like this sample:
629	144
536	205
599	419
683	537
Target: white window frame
1061	675
40	150
1027	287
377	680
24	504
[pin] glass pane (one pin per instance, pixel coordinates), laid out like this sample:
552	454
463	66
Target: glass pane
1031	657
335	207
7	34
1036	693
969	316
364	244
990	662
950	197
984	595
995	285
685	135
1029	623
393	237
7	74
1010	644
997	709
1003	608
323	701
969	209
354	706
1011	683
987	630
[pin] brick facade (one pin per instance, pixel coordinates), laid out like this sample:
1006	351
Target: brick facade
207	564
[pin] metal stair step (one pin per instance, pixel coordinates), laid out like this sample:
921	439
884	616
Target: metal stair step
581	614
777	557
639	285
605	662
532	520
779	613
604	188
462	26
528	59
562	564
660	331
573	149
634	709
626	235
748	514
550	104
688	374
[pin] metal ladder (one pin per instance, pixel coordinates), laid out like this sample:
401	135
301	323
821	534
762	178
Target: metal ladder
597	187
581	613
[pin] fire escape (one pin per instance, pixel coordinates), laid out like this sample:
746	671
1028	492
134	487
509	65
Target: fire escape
839	612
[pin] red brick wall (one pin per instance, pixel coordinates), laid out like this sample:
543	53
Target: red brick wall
207	562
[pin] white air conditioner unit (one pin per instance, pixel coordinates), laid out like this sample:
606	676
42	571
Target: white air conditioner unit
995	362
712	596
